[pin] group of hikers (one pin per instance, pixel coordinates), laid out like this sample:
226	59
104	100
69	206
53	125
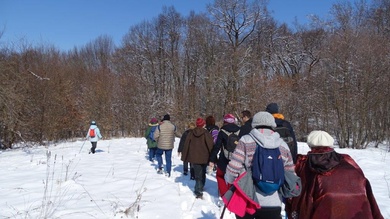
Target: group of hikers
258	167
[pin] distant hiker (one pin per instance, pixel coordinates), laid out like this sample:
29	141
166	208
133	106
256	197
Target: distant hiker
212	128
183	137
93	135
333	185
196	151
217	154
255	204
165	137
149	135
284	129
246	117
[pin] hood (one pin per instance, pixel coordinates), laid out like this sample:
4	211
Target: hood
92	126
198	131
230	127
267	138
323	161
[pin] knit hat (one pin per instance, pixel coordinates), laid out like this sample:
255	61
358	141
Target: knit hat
229	118
200	122
272	108
93	123
167	117
263	119
153	121
319	138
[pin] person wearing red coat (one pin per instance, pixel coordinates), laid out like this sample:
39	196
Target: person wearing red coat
333	185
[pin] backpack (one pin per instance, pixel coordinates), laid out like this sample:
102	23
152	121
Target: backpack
286	135
231	143
151	133
267	169
92	133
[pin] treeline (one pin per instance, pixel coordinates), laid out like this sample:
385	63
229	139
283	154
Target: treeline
332	74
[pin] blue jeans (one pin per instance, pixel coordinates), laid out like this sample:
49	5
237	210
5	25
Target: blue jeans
168	159
152	153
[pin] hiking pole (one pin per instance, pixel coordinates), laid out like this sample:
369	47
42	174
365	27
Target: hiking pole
223	212
82	146
233	190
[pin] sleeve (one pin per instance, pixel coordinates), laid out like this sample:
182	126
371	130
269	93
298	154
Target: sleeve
182	141
98	133
216	148
147	132
287	157
214	134
156	133
209	142
236	165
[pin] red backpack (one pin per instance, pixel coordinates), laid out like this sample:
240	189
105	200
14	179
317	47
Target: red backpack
92	133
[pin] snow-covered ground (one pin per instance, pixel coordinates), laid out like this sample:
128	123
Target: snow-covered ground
119	182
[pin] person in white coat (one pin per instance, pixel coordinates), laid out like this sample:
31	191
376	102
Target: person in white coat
93	135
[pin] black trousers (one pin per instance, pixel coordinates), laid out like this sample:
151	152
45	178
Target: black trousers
200	177
264	213
93	146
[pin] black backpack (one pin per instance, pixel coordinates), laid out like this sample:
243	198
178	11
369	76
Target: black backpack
231	143
286	135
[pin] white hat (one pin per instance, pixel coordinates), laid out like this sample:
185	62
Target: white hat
319	138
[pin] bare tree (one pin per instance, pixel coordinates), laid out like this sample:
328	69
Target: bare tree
238	20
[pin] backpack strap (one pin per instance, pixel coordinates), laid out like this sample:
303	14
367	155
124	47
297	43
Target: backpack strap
229	133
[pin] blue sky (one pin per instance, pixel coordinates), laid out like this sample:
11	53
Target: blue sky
70	23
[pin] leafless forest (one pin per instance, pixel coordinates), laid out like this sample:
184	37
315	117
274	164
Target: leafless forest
330	74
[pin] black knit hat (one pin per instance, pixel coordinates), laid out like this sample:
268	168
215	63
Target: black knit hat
167	117
272	108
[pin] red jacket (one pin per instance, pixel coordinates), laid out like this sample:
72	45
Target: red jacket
333	187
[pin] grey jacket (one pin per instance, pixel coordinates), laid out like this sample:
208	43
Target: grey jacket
165	135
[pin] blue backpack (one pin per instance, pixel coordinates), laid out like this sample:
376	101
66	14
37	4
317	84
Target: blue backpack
151	133
267	169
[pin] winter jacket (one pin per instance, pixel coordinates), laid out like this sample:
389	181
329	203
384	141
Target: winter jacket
214	130
245	150
149	141
165	135
182	140
197	146
97	134
280	121
241	197
333	187
222	138
246	128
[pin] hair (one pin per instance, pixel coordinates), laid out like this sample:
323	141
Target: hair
246	113
191	125
210	120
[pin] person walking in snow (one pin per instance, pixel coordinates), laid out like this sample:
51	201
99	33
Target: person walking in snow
217	155
333	185
149	135
212	128
183	137
93	135
273	108
165	137
196	151
262	135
